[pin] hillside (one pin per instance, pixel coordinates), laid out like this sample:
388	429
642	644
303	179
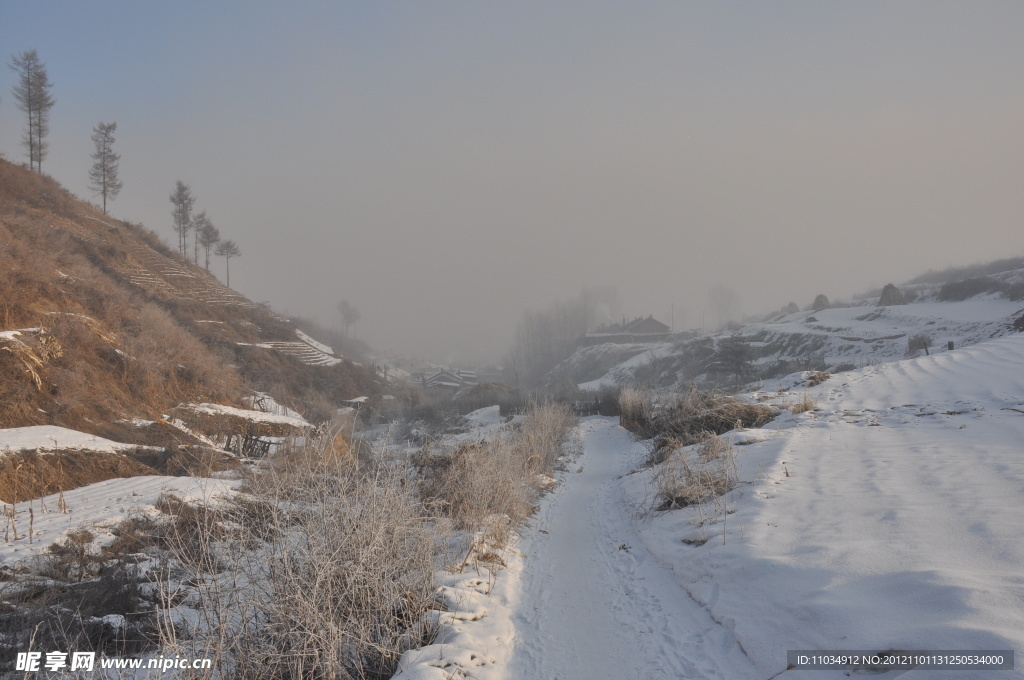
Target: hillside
963	307
104	330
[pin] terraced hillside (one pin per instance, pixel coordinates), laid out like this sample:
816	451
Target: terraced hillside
102	326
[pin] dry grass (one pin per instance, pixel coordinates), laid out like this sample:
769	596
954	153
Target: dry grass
802	406
500	478
100	352
817	377
119	318
634	409
332	581
696	476
28	475
689	416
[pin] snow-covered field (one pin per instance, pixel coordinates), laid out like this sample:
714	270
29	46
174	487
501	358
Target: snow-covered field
890	517
900	524
97	508
52	438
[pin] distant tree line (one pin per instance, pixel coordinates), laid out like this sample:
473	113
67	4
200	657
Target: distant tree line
34	98
546	337
32	93
200	227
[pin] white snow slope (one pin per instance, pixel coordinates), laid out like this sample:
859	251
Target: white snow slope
52	438
96	507
891	517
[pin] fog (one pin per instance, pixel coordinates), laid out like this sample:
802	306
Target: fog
446	166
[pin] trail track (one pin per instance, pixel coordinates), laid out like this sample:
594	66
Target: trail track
594	603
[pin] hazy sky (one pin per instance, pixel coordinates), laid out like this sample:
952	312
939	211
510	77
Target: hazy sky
447	165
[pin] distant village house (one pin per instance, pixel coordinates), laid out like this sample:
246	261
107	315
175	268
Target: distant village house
640	329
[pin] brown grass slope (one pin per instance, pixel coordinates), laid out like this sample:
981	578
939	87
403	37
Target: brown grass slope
114	325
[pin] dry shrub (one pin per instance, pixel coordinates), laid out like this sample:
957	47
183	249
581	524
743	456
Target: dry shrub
327	573
696	476
687	417
918	343
802	406
662	447
634	409
71	558
477	482
817	377
543	431
489	479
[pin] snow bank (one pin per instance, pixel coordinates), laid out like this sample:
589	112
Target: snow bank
97	507
313	343
887	518
254	416
52	438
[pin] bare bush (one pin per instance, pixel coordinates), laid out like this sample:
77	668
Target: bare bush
489	479
802	406
690	415
696	476
323	569
543	431
817	377
634	409
917	343
72	557
476	482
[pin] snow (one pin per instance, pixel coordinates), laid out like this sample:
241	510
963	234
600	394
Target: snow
313	343
51	437
486	417
593	602
887	518
852	336
261	401
99	506
255	416
474	634
12	336
656	351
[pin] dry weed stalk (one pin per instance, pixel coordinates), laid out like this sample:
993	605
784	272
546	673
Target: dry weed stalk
802	406
479	483
694	477
323	568
689	415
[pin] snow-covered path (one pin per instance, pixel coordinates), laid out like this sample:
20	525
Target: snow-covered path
593	603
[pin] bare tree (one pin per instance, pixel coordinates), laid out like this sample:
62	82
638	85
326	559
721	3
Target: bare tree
545	337
228	249
103	176
183	201
891	295
198	222
32	92
349	315
208	235
725	302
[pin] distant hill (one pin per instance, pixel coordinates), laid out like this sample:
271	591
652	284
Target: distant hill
961	306
102	327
